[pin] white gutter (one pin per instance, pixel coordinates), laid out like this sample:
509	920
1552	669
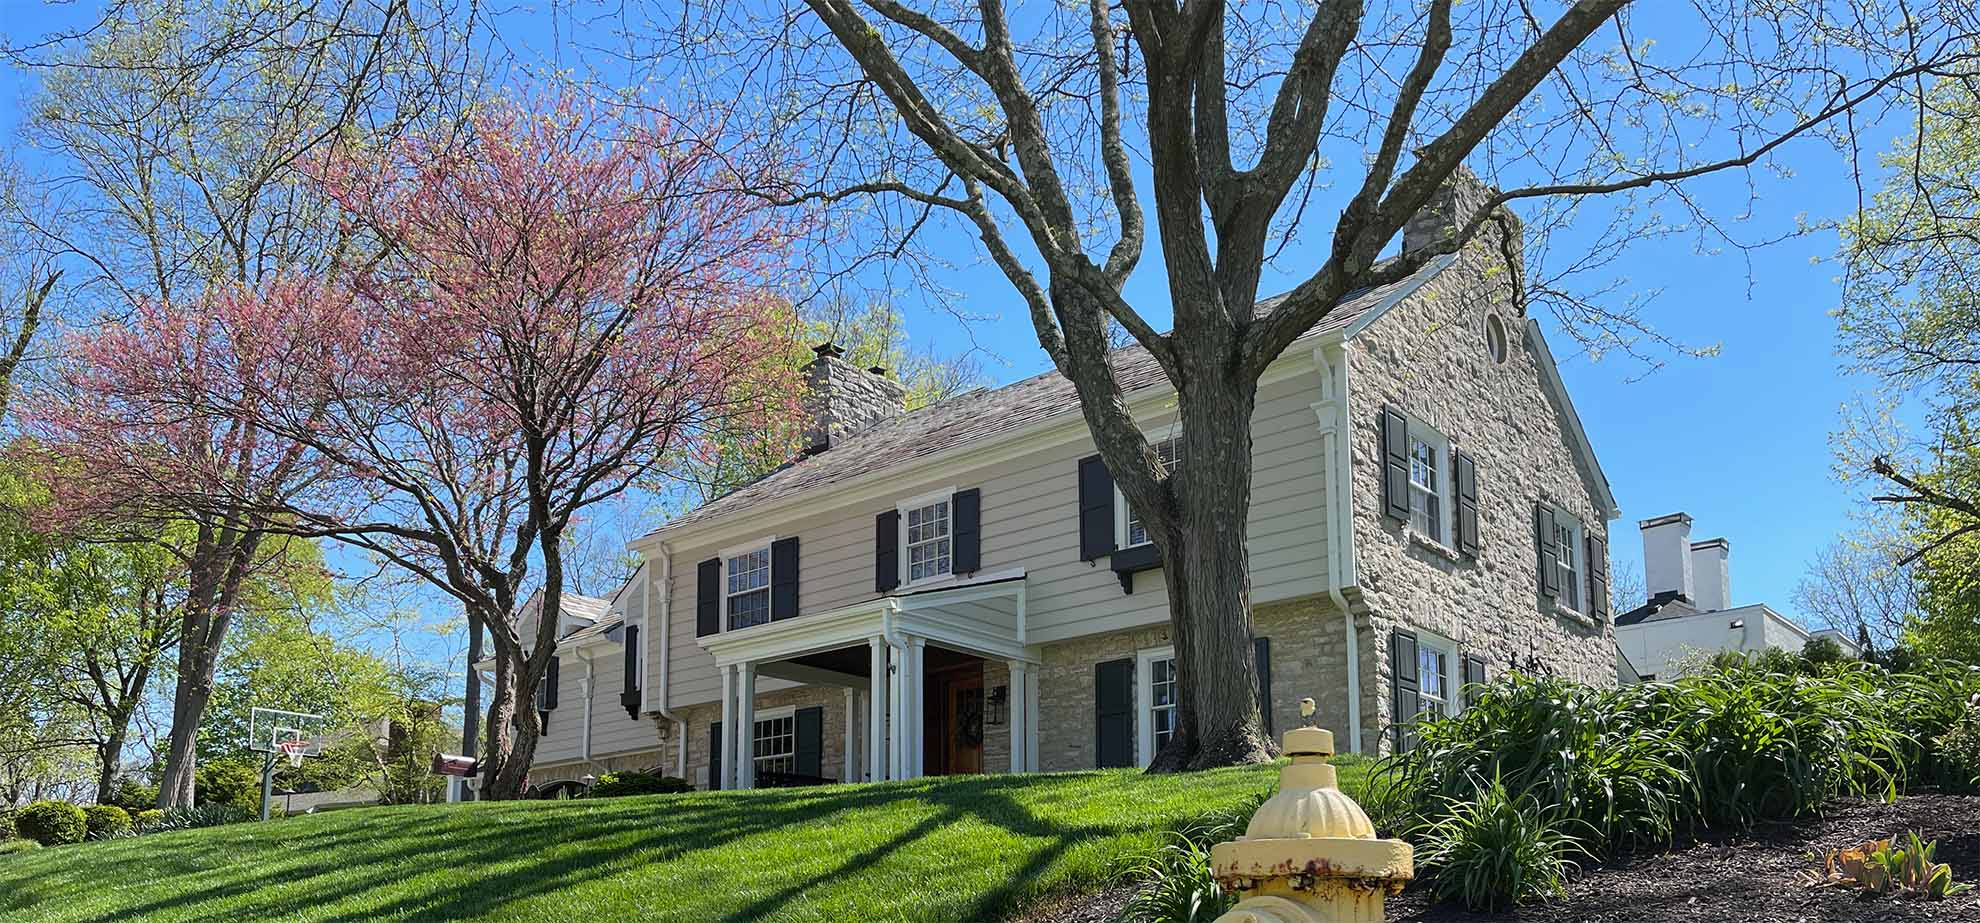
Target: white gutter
590	690
1332	412
666	623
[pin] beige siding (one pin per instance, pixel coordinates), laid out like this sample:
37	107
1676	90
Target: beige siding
1029	521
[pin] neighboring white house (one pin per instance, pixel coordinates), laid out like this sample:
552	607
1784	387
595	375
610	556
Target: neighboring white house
1690	615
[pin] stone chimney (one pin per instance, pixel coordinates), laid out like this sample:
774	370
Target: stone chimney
1667	564
1451	206
841	399
1708	568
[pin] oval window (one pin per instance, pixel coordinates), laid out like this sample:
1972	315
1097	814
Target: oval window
1495	338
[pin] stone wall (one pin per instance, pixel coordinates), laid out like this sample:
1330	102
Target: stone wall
1428	357
841	398
831	698
1309	658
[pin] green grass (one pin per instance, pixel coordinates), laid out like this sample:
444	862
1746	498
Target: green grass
967	849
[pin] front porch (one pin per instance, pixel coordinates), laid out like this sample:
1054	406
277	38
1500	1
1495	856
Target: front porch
936	652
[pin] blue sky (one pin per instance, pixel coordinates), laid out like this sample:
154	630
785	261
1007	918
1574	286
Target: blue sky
1740	440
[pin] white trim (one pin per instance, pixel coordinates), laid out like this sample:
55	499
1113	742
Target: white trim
1578	571
901	509
1443	478
1404	289
1144	700
769	577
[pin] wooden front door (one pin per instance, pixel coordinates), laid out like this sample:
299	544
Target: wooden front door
956	725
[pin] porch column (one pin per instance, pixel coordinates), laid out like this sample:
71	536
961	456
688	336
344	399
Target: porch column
897	713
724	756
850	750
876	712
917	707
1015	708
745	725
1031	720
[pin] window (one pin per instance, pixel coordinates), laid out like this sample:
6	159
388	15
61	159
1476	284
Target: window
1156	719
774	746
928	542
749	588
1426	514
1131	531
1495	338
1433	677
1567	547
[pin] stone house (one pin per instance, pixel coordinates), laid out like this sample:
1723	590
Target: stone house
961	588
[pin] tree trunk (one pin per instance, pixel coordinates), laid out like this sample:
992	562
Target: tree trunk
512	729
471	703
189	699
108	755
1208	573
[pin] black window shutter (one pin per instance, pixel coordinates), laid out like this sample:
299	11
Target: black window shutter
1467	504
1263	646
966	531
886	551
629	691
714	755
1598	578
1096	508
708	597
783	578
1403	688
1550	556
1474	676
1395	464
1113	714
811	741
550	680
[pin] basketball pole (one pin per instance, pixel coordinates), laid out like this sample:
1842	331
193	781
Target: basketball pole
267	781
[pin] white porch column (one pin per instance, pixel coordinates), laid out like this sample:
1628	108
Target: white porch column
725	755
876	712
850	750
1014	705
917	707
897	714
745	725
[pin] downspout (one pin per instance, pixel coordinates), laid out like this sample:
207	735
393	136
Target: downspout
590	691
1332	411
666	624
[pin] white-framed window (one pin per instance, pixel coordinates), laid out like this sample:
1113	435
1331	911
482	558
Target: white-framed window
1430	487
747	600
927	551
774	744
1128	530
1495	339
1437	676
1568	558
1156	716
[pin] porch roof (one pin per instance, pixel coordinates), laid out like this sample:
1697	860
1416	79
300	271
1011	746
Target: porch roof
982	614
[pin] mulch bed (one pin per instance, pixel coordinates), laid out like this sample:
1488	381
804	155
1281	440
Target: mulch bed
1750	877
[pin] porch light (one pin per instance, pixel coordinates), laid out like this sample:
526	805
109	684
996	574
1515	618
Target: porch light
997	706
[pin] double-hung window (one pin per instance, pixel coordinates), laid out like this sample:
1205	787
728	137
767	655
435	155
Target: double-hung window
1433	677
1156	719
929	549
1426	510
774	745
1567	553
749	588
1132	532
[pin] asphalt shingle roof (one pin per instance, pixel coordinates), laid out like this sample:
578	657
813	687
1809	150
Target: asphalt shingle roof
982	414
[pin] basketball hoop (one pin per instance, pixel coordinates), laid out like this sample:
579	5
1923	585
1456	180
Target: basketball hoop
294	751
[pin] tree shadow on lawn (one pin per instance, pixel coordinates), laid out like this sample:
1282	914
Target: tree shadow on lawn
500	860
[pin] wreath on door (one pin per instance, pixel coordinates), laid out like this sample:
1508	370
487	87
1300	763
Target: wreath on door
969	730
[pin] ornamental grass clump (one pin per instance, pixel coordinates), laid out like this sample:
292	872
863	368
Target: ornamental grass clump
1494	848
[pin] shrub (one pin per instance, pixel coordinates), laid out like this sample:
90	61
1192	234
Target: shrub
1823	651
135	796
1175	885
228	781
622	784
147	820
106	820
1494	849
199	816
52	823
14	846
6	825
1957	751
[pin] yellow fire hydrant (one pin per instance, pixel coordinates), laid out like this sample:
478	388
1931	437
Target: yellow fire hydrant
1310	854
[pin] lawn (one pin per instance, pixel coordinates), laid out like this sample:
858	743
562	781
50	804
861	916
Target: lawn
967	849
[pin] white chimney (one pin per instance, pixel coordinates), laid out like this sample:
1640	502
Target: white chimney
1667	555
1708	566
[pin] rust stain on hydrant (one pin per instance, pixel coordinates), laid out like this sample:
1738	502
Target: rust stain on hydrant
1310	854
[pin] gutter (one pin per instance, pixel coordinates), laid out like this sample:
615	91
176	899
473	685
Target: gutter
590	692
666	624
1332	412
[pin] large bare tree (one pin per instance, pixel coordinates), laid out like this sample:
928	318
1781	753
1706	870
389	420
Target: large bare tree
1294	138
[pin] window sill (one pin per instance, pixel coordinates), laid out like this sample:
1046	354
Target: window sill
1425	542
926	582
1561	611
